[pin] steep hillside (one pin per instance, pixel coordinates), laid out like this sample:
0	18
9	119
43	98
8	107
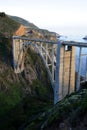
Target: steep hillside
24	95
32	31
68	114
7	25
23	22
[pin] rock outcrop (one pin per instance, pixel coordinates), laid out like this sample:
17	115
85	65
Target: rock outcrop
20	31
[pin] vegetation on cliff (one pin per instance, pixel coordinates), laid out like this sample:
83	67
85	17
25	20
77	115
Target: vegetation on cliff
70	113
23	22
7	25
21	95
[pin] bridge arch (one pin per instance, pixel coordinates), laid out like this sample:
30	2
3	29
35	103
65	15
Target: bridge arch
58	59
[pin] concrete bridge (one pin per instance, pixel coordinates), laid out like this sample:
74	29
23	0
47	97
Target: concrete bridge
58	58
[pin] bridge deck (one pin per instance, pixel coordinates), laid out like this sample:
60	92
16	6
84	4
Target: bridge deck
73	41
80	42
34	40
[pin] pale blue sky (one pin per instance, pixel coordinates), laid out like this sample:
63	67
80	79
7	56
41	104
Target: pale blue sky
55	15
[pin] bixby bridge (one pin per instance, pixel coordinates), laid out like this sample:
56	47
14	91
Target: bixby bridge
58	58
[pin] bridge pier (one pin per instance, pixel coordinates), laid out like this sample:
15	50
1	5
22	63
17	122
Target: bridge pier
65	72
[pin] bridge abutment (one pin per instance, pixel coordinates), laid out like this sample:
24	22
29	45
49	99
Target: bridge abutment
18	56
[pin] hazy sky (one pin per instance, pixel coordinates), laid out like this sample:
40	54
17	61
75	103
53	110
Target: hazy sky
56	15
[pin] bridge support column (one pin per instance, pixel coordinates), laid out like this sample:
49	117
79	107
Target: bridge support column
64	72
57	74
